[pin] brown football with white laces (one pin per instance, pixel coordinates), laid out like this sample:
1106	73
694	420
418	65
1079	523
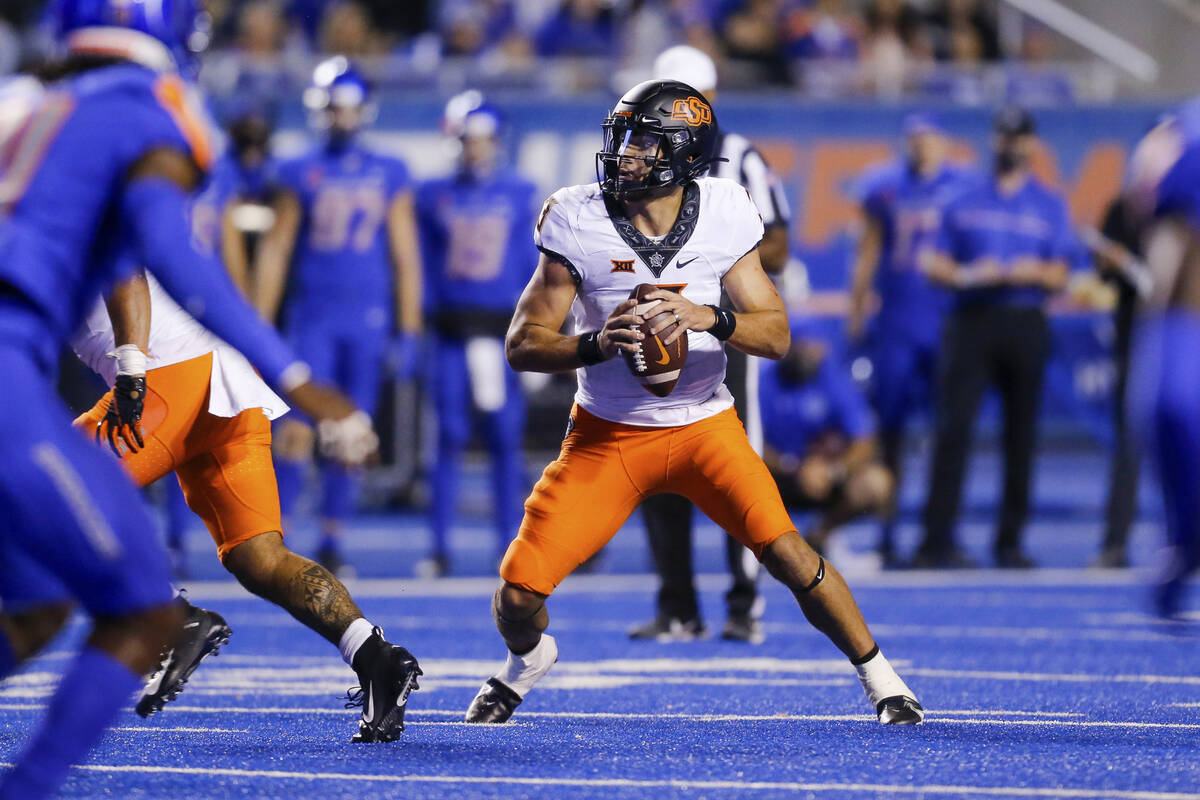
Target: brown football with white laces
656	366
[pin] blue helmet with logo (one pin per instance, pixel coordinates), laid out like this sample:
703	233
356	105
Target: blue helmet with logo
181	26
337	86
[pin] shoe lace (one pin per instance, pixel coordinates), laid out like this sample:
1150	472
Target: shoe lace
355	697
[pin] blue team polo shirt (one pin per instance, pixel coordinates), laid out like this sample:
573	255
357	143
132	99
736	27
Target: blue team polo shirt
981	222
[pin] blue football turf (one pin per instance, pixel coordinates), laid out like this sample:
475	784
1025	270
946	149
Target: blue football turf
1050	684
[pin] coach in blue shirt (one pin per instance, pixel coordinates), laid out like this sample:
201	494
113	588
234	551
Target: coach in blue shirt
1001	249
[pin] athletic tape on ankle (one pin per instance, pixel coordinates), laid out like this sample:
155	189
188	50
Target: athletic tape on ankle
820	576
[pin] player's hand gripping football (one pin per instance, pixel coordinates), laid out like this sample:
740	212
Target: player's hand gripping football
344	431
620	330
124	414
675	309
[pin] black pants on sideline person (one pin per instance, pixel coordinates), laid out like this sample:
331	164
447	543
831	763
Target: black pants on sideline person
1121	507
985	346
668	519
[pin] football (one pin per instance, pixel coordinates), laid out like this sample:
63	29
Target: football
656	366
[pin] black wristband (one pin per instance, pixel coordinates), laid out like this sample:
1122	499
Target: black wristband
589	349
725	324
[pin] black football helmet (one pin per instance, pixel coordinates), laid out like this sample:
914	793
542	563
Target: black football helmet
670	114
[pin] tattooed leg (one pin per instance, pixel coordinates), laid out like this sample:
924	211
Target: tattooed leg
303	588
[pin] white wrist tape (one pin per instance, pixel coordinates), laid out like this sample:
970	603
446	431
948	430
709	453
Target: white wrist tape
294	376
130	360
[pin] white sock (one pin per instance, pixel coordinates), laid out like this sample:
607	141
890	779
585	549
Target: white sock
353	637
880	681
520	673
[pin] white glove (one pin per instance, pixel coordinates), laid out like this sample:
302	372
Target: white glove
349	440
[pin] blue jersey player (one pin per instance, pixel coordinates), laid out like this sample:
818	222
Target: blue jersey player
76	192
341	270
473	229
901	206
1163	196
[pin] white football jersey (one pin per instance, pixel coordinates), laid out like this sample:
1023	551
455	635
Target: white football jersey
607	256
175	336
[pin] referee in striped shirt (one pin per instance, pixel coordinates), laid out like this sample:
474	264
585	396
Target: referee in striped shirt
668	517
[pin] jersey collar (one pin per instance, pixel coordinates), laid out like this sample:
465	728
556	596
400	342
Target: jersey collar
122	43
656	255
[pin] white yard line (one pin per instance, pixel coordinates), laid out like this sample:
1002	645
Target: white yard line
150	729
955	717
628	783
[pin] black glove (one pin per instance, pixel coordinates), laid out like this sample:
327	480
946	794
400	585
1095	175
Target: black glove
124	413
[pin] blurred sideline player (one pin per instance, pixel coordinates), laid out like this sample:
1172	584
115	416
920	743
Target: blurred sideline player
820	438
342	260
75	190
652	210
206	416
238	178
900	205
668	517
1163	196
473	226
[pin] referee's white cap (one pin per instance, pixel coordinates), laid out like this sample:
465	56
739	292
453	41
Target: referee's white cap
687	64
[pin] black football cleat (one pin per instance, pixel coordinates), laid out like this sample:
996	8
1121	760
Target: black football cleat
387	674
204	633
900	710
495	703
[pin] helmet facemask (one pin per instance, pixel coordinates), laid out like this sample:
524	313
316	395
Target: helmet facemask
635	161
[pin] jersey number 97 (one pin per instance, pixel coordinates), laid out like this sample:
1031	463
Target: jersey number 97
347	218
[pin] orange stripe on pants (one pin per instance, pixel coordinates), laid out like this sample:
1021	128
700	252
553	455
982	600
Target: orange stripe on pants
605	469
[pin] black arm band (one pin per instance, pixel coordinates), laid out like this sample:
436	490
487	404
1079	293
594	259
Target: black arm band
725	325
589	349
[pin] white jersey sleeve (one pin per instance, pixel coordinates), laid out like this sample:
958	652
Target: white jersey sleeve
555	234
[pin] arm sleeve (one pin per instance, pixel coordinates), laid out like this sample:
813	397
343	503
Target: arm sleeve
401	180
745	225
867	192
155	210
553	236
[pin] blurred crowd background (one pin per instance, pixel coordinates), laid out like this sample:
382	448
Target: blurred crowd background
969	52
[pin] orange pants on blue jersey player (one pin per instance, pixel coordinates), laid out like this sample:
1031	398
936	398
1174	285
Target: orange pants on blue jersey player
606	469
223	463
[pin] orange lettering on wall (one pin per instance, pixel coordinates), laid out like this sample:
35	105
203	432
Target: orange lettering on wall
1097	182
826	208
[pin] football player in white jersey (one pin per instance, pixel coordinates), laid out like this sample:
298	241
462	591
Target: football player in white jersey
652	216
206	415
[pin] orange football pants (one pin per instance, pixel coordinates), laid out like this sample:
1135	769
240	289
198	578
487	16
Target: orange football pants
223	463
605	469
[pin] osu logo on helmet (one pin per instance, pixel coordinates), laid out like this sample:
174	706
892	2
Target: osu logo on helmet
694	111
